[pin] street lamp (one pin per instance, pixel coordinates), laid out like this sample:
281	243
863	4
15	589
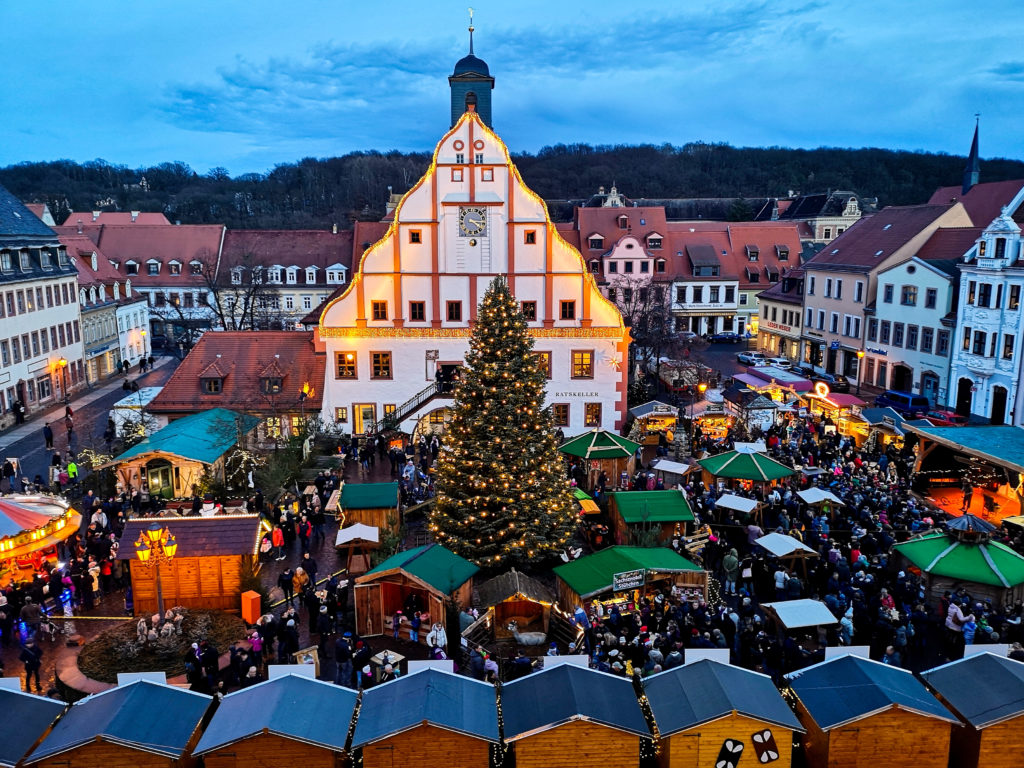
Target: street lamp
143	334
860	359
155	546
63	363
306	391
701	388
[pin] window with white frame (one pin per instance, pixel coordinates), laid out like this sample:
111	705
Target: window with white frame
310	274
292	275
236	276
174	267
274	275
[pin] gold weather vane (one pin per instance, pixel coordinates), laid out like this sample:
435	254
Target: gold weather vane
471	31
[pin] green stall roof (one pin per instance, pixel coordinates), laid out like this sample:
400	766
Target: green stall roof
369	495
599	444
738	465
433	564
659	506
202	437
938	553
592	574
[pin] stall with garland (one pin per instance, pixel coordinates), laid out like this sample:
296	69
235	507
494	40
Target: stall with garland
655	419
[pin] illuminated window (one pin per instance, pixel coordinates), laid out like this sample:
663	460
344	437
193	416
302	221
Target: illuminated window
560	414
345	365
341	415
592	415
380	365
273	426
544	362
582	364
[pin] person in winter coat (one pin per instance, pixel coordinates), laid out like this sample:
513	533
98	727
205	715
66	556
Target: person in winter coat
32	657
437	637
277	539
731	566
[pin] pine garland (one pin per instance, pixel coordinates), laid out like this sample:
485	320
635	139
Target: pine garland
502	496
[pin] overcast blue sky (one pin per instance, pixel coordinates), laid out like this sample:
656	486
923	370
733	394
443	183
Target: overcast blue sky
246	85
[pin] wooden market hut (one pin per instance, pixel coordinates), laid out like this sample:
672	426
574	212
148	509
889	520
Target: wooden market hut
966	557
861	713
139	724
987	692
27	720
172	461
603	451
655	417
213	557
697	707
430	572
430	717
631	512
592	576
374	504
572	717
514	595
279	722
787	549
741	465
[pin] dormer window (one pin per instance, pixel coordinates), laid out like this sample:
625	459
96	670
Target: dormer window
659	265
212	386
336	273
103	293
292	275
46	259
153	267
127	288
310	274
131	268
236	276
195	267
654	242
92	295
24	261
623	222
595	242
62	257
753	252
82	297
117	291
174	267
595	266
1000	248
5	261
782	251
274	275
271	385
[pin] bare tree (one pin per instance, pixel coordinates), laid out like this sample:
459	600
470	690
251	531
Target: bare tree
241	297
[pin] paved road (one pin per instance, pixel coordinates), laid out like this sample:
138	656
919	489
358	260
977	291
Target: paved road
91	411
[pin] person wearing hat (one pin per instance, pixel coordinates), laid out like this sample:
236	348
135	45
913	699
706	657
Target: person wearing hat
343	660
324	628
396	624
32	657
552	650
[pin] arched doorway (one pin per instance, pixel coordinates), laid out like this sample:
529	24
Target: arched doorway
902	378
964	396
998	405
160	478
432	423
930	386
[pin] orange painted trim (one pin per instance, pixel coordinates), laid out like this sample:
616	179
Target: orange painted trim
549	280
361	304
435	276
396	279
473	284
622	385
511	255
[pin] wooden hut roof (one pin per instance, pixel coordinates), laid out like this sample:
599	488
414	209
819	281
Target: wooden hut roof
565	693
198	536
653	506
739	465
984	689
143	715
290	706
369	495
592	574
688	696
26	719
453	702
508	585
849	688
431	564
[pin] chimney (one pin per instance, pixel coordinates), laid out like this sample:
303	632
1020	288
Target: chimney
95	215
79	226
135	215
334	229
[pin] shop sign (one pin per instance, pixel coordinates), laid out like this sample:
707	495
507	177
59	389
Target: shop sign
714	409
877	351
627	580
834	345
776	326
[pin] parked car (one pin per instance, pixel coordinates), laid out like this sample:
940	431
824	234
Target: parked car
727	337
750	358
836	382
778	362
688	336
906	404
942	418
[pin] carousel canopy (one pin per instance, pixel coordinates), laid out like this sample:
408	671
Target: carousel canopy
781	545
652	506
796	614
432	564
737	503
989	563
655	406
745	466
592	575
818	495
599	444
14	519
970	523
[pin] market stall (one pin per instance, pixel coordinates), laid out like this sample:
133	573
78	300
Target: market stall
818	496
634	513
374	504
881	427
749	508
787	549
603	451
747	468
672	473
838	410
356	543
655	418
420	579
621	576
712	420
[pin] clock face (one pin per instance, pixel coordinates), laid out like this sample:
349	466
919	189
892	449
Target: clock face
472	221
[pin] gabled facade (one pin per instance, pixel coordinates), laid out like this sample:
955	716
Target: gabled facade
406	316
985	369
779	316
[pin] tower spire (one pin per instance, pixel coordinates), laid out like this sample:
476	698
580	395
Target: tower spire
972	171
470	31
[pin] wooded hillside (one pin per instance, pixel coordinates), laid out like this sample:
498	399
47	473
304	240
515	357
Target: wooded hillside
316	193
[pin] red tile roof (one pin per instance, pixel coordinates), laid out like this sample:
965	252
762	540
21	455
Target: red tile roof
949	243
240	357
876	237
289	248
80	250
140	243
641	222
983	202
144	218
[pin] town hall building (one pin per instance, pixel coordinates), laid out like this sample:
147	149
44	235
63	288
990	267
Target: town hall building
400	330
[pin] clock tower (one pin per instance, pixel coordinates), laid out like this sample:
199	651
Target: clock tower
471	84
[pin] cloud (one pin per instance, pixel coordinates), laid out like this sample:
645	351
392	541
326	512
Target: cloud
1009	70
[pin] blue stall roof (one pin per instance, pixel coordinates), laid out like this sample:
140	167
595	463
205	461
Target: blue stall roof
995	691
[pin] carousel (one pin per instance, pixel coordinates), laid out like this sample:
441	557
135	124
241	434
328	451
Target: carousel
31	527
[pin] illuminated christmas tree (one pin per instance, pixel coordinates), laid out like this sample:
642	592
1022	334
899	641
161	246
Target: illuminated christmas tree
502	496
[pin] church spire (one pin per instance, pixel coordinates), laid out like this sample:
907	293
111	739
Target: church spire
972	171
470	31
